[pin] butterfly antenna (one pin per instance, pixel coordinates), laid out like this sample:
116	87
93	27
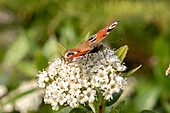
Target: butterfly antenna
117	41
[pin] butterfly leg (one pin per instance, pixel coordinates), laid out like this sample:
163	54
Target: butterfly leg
101	47
104	53
87	58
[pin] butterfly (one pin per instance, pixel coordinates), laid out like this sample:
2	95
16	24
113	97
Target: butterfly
91	45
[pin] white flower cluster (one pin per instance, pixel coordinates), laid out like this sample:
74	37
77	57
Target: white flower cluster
3	90
29	102
78	82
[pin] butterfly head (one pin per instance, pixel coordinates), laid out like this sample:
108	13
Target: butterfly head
68	53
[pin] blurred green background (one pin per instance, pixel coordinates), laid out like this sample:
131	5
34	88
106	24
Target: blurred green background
30	28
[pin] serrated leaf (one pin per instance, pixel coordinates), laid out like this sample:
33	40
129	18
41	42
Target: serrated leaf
61	48
131	72
115	98
78	110
147	111
121	52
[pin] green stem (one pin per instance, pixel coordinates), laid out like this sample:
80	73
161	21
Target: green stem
103	107
96	103
100	103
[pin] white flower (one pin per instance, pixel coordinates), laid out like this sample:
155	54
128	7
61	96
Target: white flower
42	79
55	107
84	82
63	85
119	81
52	71
95	82
113	87
75	89
107	95
61	98
72	101
3	90
89	95
75	83
26	103
81	99
121	67
31	101
7	108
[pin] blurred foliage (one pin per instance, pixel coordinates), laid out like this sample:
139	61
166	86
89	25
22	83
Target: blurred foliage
29	30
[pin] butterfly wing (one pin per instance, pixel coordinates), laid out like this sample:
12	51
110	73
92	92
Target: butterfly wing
104	32
85	46
81	49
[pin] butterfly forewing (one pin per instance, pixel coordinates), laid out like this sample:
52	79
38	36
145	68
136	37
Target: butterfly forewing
89	44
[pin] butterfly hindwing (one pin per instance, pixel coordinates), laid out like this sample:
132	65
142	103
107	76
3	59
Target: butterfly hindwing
90	44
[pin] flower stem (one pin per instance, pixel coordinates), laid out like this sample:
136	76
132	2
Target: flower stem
102	107
100	103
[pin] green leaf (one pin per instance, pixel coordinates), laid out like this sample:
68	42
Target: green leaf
121	52
115	98
167	106
85	107
41	61
108	109
147	111
28	68
78	110
131	72
64	109
5	77
2	52
119	107
114	111
17	51
19	96
87	36
61	48
147	96
30	35
92	107
50	49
